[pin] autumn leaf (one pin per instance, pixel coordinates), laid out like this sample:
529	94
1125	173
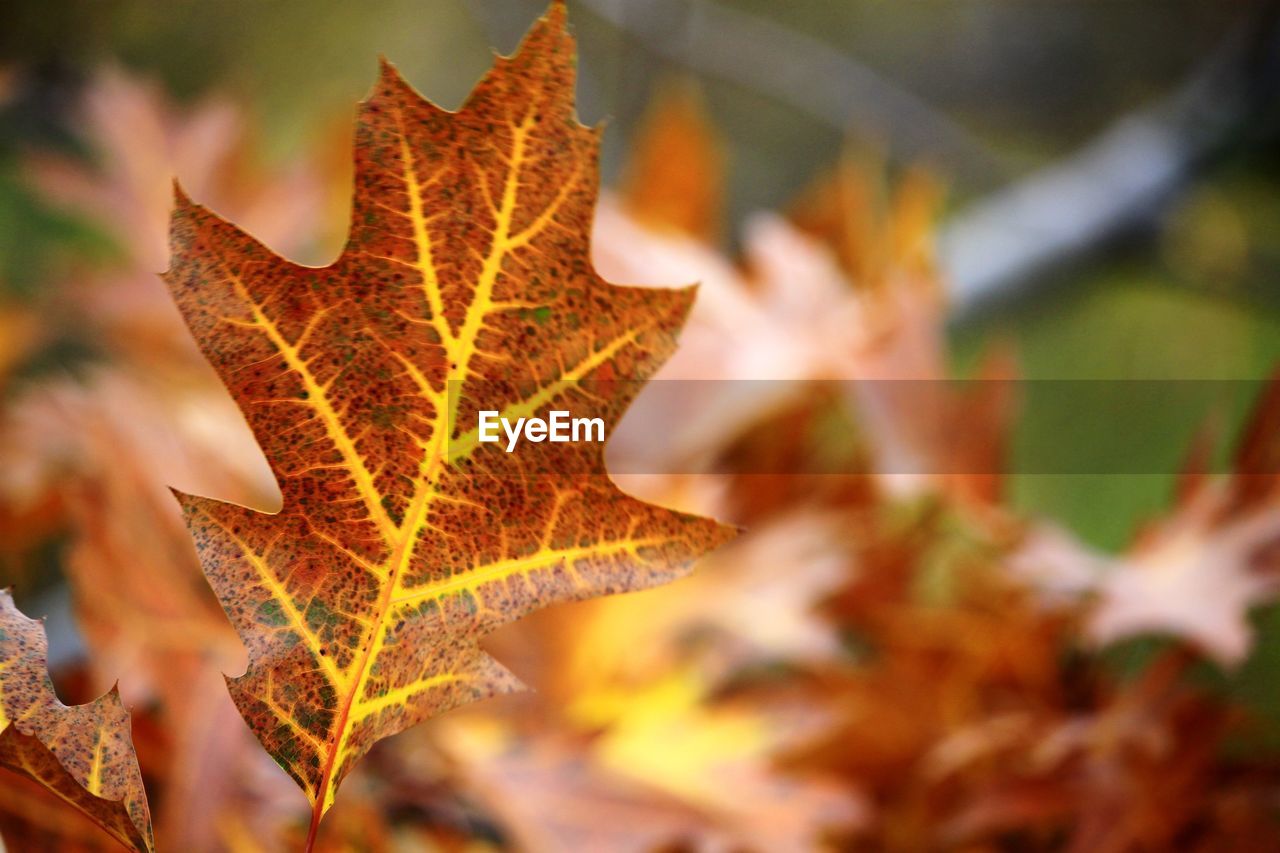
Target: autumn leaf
675	770
83	754
674	179
1194	573
1256	461
33	818
882	236
465	284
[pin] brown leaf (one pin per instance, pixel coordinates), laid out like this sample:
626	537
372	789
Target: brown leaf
1256	464
465	286
675	176
84	754
881	236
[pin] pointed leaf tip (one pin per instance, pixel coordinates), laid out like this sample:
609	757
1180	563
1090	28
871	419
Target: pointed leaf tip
387	71
180	197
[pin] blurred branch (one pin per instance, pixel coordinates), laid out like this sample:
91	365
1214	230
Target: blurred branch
1118	182
802	72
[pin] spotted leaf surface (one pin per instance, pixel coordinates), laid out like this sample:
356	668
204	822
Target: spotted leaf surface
83	754
465	284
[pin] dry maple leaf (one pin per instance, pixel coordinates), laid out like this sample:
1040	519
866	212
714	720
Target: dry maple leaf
84	754
1194	573
465	285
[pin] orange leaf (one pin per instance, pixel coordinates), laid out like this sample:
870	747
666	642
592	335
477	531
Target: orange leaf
1257	456
83	754
878	233
465	285
675	177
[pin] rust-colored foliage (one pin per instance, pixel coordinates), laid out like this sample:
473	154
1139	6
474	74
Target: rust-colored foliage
465	285
880	236
808	455
83	754
1256	466
979	715
891	659
675	177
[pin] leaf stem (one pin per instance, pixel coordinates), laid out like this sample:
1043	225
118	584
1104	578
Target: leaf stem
314	830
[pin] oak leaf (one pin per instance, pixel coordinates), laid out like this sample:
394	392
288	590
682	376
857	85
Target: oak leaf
84	753
465	285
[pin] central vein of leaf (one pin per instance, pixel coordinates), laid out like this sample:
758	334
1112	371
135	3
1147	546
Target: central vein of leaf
460	349
398	560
